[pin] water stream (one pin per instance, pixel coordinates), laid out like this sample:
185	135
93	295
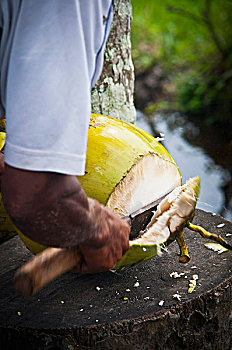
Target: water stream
193	160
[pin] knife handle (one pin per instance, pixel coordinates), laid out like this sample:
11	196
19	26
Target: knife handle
45	267
52	262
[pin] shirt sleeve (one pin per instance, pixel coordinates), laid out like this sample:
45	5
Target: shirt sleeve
54	54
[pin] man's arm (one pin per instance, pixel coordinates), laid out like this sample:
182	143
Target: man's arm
53	209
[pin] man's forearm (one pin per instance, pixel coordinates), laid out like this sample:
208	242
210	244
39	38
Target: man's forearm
49	208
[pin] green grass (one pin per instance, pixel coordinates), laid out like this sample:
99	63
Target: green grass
192	42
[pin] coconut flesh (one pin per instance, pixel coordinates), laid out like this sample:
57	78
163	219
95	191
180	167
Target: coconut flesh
148	180
171	213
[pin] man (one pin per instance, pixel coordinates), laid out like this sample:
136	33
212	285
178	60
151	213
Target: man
51	56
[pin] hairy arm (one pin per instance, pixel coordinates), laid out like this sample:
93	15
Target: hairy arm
53	209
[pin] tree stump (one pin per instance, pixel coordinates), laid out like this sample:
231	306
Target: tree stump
121	310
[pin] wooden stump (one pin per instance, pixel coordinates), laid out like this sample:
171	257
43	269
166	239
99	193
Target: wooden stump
121	310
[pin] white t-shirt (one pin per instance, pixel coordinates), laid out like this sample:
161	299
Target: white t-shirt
51	54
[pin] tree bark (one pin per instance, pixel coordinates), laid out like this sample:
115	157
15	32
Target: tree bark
113	93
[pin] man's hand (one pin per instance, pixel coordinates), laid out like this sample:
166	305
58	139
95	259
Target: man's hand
108	243
53	209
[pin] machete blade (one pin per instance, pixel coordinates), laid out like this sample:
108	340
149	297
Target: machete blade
140	218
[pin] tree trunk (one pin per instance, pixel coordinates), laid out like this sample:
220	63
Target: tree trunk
113	93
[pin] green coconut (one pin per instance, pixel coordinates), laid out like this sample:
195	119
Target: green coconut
126	168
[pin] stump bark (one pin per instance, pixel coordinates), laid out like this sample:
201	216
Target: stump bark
121	310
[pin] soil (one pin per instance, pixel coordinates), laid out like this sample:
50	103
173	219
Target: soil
123	310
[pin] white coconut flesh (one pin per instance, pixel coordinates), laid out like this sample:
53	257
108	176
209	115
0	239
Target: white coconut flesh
172	213
149	179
